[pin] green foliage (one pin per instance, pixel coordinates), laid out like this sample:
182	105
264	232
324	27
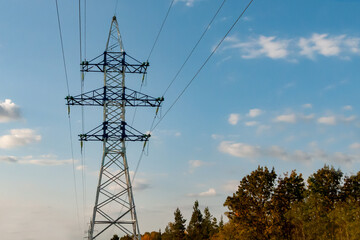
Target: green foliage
194	228
178	228
250	207
269	208
289	190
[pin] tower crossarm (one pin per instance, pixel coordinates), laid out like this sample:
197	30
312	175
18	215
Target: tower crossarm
114	96
114	62
114	131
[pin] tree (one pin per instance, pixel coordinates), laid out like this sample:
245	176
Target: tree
209	224
127	237
350	191
194	229
289	190
178	227
325	186
250	207
115	237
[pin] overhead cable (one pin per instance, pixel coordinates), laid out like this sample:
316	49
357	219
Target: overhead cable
193	49
203	65
161	28
70	129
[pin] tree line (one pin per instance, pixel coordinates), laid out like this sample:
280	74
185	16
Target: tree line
268	207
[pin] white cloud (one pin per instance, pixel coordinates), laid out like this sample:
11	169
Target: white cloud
331	120
321	44
353	44
188	3
19	137
348	107
254	112
242	150
355	145
307	105
287	118
209	193
263	46
276	48
45	160
234	118
9	111
251	123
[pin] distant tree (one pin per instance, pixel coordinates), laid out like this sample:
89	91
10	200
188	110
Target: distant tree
250	207
167	235
194	229
350	191
115	237
221	223
127	237
209	224
289	190
325	185
178	227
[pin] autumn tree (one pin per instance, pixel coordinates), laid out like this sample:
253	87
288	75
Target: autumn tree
289	190
178	227
250	207
209	224
194	229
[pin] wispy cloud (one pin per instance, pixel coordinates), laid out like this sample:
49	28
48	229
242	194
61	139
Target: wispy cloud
261	47
194	164
307	105
251	123
45	160
329	120
287	118
188	3
209	193
348	107
19	137
255	112
355	145
9	111
234	118
291	49
242	150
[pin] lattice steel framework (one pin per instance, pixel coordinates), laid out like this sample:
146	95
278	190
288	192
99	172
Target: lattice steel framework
114	202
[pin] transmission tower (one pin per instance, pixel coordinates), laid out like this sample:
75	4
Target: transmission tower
114	202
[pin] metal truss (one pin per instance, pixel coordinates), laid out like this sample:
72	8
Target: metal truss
114	62
114	95
114	202
114	131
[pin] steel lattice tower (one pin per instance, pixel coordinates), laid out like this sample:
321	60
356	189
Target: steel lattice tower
114	190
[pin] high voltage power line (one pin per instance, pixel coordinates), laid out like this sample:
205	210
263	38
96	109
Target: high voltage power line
203	65
69	118
180	69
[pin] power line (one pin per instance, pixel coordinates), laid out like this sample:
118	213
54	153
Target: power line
178	72
69	119
82	113
193	49
203	65
161	28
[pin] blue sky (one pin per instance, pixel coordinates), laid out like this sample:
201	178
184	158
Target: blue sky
281	91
